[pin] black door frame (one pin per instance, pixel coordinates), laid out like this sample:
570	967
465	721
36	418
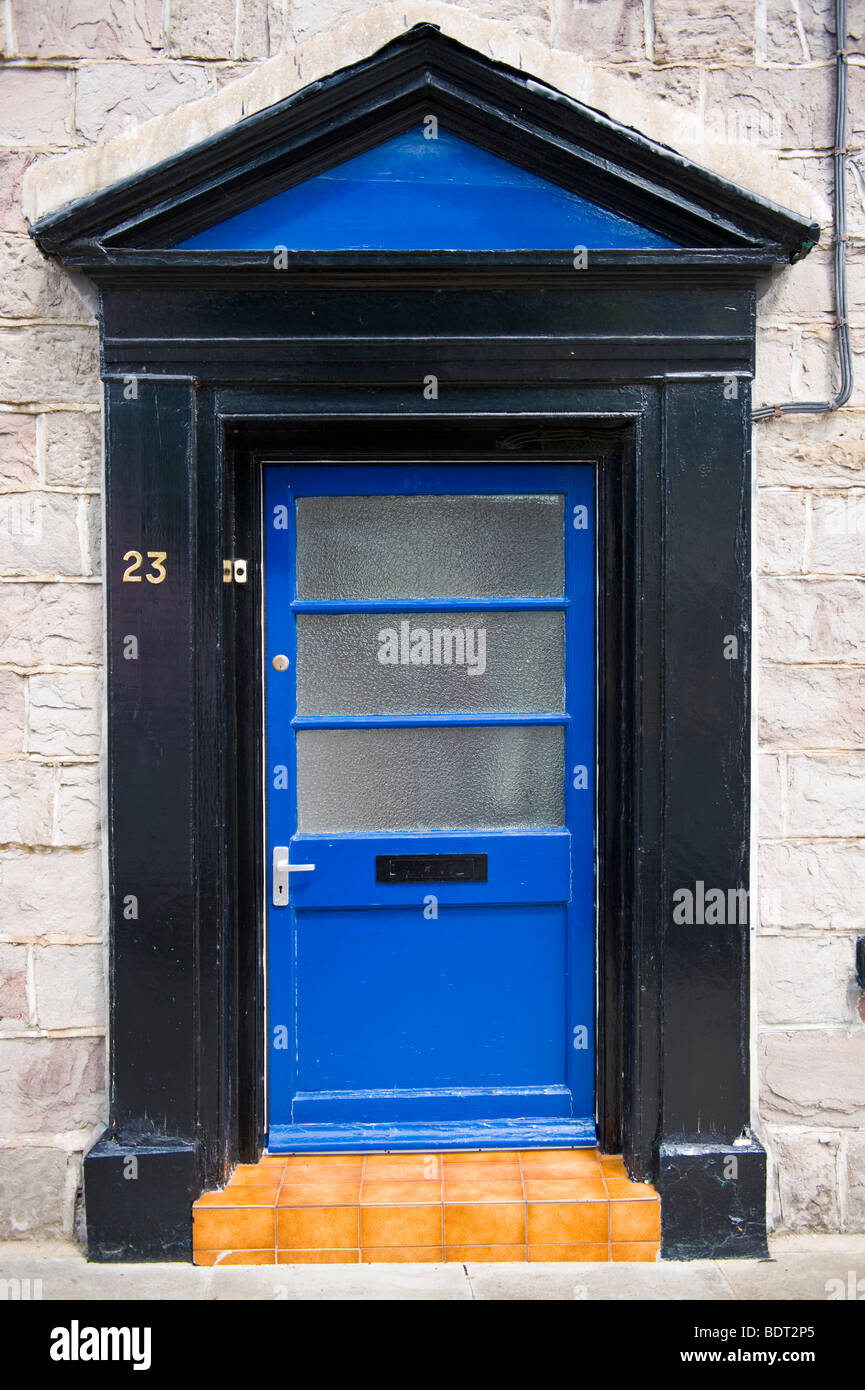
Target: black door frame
211	1093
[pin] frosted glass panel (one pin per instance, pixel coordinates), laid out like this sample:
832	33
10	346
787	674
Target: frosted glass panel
429	547
430	779
430	663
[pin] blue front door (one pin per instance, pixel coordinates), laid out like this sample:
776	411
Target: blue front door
430	659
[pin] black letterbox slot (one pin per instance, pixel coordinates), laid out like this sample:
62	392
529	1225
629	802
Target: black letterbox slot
430	868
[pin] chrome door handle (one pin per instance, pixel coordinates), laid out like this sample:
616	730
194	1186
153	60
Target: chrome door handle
281	871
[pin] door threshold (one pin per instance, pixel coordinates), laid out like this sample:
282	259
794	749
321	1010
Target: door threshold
468	1134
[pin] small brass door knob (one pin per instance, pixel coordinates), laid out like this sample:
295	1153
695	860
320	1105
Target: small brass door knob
280	663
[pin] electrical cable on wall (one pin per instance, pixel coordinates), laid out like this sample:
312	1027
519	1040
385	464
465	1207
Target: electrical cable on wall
840	239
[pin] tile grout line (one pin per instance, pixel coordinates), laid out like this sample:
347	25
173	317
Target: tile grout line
279	1187
609	1209
525	1201
360	1207
441	1163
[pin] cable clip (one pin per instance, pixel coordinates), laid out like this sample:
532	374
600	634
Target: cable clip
777	411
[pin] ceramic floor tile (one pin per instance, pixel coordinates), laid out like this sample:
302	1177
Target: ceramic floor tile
393	1193
311	1228
319	1194
456	1156
233	1228
635	1221
644	1251
488	1191
255	1174
234	1257
568	1163
402	1168
485	1254
402	1254
623	1190
579	1254
568	1223
262	1195
485	1223
317	1257
392	1226
565	1190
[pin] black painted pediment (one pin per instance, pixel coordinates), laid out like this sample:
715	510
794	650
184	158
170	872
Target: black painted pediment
162	216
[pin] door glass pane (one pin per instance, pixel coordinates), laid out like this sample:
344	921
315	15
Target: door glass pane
430	779
428	663
429	547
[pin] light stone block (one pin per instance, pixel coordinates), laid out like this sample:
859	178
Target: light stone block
811	707
32	286
262	28
52	891
781	529
35	107
18	467
39	534
73	448
47	363
51	623
803	450
14	1005
12	166
801	293
808	620
800	364
87	29
64	714
26	803
33	1192
79	805
116	97
792	109
202	28
826	794
813	1076
610	32
70	986
51	1085
805	979
677	88
807	1167
812	885
690	29
838	533
856	1183
771	820
803	31
12	712
92	538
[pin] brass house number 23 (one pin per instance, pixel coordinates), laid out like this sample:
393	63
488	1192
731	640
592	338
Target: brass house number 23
157	560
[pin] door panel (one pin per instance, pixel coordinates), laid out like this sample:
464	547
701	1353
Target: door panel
421	547
429	778
444	1026
520	654
430	749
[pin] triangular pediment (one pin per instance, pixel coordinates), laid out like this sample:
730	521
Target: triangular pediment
346	164
426	189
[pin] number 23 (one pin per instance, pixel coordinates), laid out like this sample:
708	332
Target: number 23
157	559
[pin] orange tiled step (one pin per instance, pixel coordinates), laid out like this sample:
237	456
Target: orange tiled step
538	1204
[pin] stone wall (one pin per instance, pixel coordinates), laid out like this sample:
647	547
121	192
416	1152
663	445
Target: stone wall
91	90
